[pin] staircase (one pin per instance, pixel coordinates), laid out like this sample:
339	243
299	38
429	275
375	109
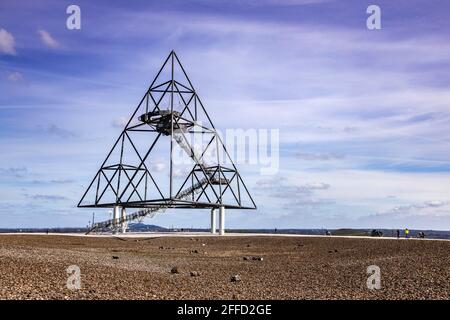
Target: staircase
152	211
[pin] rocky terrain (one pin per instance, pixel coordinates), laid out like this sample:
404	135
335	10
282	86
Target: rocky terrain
257	267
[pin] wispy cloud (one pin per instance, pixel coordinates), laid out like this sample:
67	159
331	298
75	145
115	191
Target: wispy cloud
47	39
158	166
180	172
433	214
119	122
292	194
17	172
317	156
53	181
7	43
433	207
55	130
15	76
47	197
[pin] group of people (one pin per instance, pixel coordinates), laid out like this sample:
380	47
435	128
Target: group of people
379	233
420	235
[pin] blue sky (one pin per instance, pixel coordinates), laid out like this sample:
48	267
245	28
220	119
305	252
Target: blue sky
363	114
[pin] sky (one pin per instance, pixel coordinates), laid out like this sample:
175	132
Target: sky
363	115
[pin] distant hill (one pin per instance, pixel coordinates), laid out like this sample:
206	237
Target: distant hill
142	227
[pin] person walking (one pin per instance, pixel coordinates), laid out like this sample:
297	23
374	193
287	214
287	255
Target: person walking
406	233
398	233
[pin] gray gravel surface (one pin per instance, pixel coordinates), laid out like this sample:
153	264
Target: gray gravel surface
34	267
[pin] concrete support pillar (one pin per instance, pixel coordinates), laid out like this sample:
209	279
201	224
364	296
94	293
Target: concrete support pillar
124	224
222	221
116	214
213	221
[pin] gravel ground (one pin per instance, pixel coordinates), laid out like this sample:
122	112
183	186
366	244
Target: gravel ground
34	267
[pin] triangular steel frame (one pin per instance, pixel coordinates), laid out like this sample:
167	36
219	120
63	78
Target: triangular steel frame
131	177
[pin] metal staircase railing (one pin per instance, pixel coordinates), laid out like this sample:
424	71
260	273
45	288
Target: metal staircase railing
152	211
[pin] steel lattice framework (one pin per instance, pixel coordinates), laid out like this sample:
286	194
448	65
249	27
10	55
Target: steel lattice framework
128	178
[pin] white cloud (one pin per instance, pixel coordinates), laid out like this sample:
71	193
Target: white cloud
7	43
55	130
15	76
119	122
16	172
434	208
47	39
292	193
180	172
268	183
158	166
317	156
426	215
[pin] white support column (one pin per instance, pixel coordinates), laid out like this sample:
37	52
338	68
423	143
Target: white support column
222	221
116	214
213	221
124	224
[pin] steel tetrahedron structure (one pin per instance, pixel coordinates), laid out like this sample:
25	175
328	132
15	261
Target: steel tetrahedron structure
169	155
